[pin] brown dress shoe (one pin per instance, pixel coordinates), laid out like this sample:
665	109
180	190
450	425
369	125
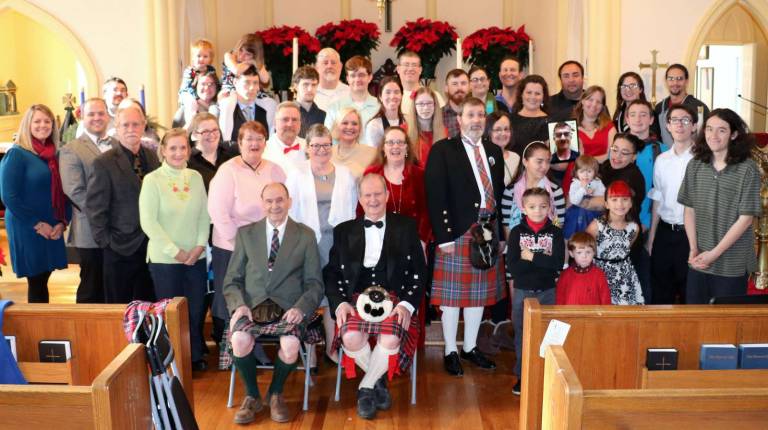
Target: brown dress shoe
278	410
248	410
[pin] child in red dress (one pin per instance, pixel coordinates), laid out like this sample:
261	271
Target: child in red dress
582	283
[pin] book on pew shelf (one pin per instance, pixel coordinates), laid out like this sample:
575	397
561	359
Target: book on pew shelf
661	359
12	345
753	356
54	351
716	356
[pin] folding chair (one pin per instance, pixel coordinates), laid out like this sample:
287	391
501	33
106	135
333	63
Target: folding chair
337	394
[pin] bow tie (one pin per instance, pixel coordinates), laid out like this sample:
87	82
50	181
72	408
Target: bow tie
368	223
291	148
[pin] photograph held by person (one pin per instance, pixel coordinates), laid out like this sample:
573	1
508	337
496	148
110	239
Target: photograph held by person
76	165
349	152
273	286
233	201
393	261
36	208
324	195
174	216
112	206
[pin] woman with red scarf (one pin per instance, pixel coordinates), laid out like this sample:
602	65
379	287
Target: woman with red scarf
37	211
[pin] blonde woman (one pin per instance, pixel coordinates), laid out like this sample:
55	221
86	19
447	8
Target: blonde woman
426	127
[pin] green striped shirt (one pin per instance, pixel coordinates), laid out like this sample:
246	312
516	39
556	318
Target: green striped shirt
718	199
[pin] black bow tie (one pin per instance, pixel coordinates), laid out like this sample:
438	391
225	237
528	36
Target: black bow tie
368	223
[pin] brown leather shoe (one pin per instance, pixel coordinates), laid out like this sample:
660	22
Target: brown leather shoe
278	410
248	410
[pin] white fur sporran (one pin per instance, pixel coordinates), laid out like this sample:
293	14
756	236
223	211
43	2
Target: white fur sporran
374	304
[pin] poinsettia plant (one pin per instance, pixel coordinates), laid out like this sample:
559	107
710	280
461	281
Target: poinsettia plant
488	46
278	52
350	37
432	40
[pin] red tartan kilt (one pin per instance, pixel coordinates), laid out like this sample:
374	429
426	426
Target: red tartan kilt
456	283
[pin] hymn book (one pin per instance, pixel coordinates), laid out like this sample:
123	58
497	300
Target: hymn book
661	359
54	351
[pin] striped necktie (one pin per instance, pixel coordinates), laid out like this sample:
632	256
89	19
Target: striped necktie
274	247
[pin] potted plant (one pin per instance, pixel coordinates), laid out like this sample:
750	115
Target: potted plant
278	52
488	46
350	37
432	40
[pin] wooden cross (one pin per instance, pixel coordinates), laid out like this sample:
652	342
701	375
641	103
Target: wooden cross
653	65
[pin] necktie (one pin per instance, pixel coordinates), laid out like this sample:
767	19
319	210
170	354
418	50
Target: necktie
288	149
137	167
368	223
249	113
273	249
490	202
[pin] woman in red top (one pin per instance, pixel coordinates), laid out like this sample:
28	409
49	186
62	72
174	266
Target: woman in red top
405	180
596	129
424	126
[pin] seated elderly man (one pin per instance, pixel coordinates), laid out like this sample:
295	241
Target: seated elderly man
375	280
273	287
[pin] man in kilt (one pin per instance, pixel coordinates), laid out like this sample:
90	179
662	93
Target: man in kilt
376	251
464	181
273	286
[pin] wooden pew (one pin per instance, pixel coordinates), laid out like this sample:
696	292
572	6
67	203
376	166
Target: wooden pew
567	406
606	344
97	338
117	399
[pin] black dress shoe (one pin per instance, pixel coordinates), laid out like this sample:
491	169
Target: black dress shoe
383	398
366	403
452	364
199	365
477	357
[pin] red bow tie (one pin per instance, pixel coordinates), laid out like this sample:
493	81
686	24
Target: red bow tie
291	148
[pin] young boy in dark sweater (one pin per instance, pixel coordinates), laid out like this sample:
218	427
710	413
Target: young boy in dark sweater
535	255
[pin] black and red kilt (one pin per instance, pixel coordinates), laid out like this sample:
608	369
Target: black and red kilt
305	331
455	283
408	339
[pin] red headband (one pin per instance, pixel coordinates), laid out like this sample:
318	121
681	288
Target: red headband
619	189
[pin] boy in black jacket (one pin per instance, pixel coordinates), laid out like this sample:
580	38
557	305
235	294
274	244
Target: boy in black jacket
535	255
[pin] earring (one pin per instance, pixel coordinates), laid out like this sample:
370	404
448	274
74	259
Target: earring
406	155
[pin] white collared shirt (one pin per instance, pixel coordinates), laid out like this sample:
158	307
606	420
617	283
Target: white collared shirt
374	243
668	174
280	234
469	148
275	152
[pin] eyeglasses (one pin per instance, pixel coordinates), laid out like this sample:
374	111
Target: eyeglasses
395	142
478	79
319	146
615	149
678	121
675	78
410	65
563	134
360	75
210	132
423	105
501	130
625	87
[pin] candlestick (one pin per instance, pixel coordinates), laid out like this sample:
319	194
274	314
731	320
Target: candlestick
459	54
530	57
82	96
142	97
295	54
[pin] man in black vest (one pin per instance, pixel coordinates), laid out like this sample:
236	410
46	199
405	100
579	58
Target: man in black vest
374	253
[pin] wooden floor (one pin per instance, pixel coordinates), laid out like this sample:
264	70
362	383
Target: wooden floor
479	399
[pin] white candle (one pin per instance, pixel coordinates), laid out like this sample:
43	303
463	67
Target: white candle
459	54
530	57
295	53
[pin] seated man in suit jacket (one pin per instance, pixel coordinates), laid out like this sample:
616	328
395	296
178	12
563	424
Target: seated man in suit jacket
112	208
377	251
273	286
241	107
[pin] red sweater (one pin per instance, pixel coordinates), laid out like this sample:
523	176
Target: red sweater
582	287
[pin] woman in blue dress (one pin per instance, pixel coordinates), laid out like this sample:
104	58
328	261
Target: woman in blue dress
37	210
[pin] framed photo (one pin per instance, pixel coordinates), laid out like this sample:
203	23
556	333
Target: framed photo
561	130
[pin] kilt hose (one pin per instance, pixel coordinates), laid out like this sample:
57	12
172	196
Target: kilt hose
455	283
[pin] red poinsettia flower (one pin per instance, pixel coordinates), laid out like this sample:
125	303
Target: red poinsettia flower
487	46
349	37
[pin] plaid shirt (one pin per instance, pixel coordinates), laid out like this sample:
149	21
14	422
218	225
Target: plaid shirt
451	121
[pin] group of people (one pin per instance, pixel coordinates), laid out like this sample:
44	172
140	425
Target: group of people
351	212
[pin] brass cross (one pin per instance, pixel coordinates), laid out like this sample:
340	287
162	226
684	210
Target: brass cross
68	100
653	66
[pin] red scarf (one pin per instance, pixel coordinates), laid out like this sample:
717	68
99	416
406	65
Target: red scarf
47	152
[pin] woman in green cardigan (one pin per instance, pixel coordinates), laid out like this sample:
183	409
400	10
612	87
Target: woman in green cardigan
174	215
